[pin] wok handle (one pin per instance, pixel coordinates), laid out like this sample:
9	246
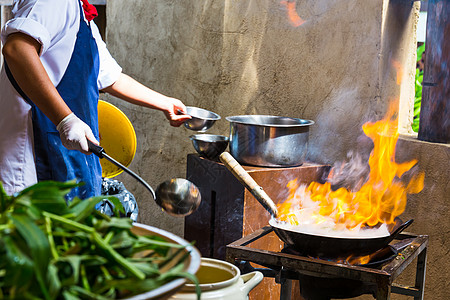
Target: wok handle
238	171
402	227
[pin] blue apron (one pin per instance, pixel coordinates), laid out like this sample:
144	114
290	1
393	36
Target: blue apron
78	88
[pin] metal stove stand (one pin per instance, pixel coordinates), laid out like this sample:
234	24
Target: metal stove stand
287	267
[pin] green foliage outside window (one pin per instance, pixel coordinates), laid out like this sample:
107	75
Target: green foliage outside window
418	94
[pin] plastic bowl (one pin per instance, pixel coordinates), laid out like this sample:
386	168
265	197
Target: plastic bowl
209	145
201	120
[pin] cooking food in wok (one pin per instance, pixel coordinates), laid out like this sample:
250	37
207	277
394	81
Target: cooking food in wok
314	244
333	247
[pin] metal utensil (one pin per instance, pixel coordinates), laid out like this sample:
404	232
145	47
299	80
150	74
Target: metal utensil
177	197
269	141
331	247
209	145
201	119
257	191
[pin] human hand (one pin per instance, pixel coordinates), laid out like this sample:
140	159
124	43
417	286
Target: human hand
74	134
175	112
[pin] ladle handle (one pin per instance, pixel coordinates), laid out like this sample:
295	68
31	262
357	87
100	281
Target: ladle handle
257	191
100	152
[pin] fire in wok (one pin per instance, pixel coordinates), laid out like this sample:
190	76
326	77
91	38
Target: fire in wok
337	222
356	222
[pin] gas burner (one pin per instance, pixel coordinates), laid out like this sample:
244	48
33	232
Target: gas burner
321	278
374	260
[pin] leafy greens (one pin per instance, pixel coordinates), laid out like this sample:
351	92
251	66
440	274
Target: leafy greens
51	250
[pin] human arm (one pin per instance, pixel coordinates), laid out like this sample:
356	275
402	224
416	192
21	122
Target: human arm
111	80
21	53
130	90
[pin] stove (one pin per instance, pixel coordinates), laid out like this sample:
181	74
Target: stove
229	212
321	279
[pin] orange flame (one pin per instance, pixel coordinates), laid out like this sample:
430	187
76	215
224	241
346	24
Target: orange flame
361	260
380	199
356	260
293	16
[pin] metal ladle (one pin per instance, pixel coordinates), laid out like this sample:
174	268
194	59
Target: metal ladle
177	196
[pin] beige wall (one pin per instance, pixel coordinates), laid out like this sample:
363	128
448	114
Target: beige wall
430	210
244	57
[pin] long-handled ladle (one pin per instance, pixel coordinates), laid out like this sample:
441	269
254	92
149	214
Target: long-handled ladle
177	196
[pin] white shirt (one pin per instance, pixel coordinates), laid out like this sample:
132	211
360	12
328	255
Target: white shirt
54	24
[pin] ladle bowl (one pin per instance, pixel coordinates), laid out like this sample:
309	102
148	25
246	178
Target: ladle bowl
178	197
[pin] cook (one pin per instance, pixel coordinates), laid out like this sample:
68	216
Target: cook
55	64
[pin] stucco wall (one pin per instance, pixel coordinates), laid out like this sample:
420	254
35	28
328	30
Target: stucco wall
339	68
244	57
430	211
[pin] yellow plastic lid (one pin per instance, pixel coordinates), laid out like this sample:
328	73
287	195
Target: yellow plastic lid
117	137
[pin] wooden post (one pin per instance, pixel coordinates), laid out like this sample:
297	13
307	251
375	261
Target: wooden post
435	109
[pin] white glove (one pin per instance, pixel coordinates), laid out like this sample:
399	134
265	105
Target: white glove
74	133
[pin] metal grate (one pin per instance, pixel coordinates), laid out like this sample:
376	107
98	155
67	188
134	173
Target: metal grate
287	267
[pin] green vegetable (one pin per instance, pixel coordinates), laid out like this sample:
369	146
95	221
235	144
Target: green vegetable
49	250
418	90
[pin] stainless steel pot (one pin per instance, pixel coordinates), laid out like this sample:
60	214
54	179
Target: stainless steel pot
269	141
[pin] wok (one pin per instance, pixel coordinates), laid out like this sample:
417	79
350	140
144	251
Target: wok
311	244
334	247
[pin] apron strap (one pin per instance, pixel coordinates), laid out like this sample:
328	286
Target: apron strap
15	84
